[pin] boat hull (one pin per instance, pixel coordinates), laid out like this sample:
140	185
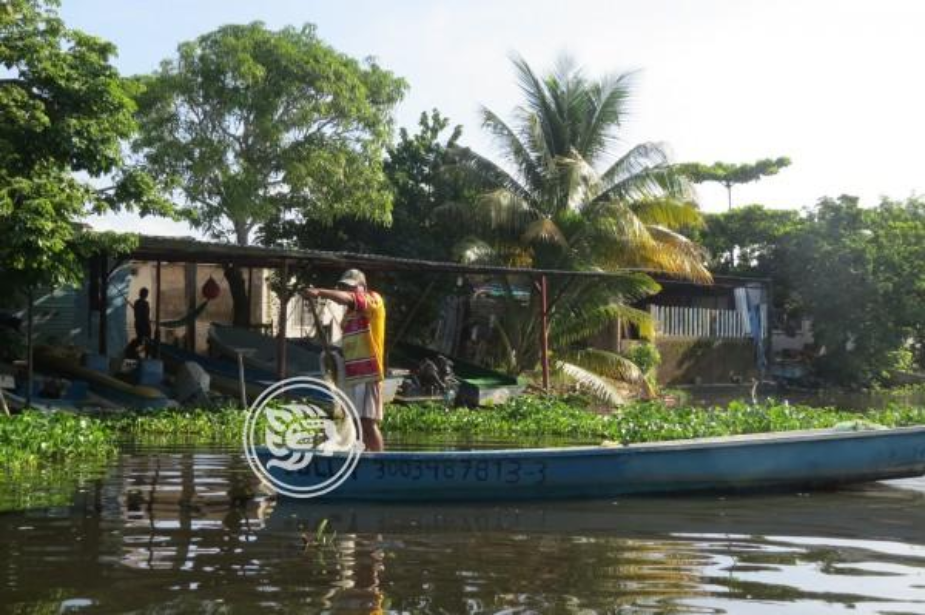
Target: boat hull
808	459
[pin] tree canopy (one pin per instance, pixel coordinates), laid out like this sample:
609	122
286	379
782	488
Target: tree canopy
66	114
857	272
247	125
731	174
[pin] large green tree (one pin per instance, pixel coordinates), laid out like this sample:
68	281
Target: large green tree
64	116
247	125
564	197
857	273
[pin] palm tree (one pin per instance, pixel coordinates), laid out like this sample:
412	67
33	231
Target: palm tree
563	200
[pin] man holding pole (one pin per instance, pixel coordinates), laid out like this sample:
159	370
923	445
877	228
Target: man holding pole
363	347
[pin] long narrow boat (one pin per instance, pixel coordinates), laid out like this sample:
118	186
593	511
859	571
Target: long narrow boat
800	459
56	361
223	373
259	351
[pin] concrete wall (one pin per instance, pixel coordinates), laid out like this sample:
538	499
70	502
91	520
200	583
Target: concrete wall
706	361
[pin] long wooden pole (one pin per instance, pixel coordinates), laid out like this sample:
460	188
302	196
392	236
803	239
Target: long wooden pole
544	333
242	383
281	354
6	409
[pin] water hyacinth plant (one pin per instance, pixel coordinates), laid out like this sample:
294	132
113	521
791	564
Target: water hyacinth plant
640	422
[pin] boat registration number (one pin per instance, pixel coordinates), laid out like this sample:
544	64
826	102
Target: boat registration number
508	471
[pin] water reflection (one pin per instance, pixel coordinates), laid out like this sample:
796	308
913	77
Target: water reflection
178	531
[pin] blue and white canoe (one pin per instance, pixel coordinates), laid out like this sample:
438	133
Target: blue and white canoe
788	460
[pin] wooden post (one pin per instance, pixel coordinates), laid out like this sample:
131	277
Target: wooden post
191	269
104	305
250	297
544	333
769	329
157	304
281	358
30	334
241	381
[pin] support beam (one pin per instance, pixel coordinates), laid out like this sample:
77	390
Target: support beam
281	358
30	336
190	279
157	304
104	306
544	332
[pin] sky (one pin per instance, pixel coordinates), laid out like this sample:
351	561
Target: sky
836	85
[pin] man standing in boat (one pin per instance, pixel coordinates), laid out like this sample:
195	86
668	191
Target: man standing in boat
363	345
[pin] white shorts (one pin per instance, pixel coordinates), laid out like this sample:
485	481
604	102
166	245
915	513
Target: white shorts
367	398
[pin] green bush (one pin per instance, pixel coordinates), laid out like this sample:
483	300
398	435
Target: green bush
646	357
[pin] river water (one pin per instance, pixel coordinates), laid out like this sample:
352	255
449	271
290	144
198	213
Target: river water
176	530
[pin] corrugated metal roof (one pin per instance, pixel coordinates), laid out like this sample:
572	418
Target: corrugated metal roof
183	249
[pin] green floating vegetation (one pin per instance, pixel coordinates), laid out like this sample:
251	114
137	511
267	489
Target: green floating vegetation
641	422
192	427
33	438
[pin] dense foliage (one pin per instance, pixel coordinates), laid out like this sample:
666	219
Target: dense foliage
854	271
65	110
857	272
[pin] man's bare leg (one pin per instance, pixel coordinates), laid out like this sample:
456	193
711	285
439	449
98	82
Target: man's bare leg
372	437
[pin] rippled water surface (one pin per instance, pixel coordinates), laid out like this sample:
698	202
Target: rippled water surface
182	531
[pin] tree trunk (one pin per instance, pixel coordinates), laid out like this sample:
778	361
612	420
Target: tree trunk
239	296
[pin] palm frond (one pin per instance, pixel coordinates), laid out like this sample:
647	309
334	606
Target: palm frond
582	322
604	363
643	172
679	256
615	221
474	251
482	171
543	230
512	147
668	213
539	103
505	211
596	385
583	182
608	100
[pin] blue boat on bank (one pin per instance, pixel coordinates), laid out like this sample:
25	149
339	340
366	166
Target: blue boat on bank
788	460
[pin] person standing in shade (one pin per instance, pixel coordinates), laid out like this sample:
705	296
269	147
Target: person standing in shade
142	311
363	347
